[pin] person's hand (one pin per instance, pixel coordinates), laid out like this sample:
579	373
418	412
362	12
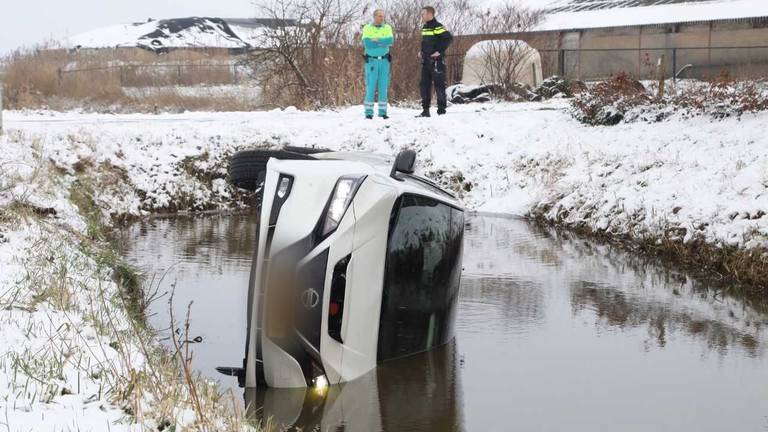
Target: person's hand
419	55
436	54
375	40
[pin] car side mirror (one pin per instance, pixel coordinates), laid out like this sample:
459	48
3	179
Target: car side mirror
404	163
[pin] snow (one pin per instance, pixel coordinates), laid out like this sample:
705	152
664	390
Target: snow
657	14
41	388
706	178
685	177
175	33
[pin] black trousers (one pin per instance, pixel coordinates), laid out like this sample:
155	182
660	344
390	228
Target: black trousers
433	71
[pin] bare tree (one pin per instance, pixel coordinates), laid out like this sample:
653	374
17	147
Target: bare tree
312	54
308	52
506	61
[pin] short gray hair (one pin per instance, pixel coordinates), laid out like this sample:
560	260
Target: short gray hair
377	11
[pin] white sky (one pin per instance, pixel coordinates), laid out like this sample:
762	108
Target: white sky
28	22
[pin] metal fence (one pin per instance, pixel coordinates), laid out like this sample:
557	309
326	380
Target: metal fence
642	63
154	75
739	62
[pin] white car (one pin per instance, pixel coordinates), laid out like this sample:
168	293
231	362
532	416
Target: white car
357	261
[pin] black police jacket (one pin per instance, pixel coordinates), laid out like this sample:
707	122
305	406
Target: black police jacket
434	38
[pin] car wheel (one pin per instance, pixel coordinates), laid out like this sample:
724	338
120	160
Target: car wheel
247	168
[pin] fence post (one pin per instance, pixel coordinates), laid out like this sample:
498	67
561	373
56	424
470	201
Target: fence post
1	106
561	60
674	65
661	70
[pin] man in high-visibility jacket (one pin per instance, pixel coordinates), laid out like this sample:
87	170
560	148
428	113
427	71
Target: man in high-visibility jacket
377	39
435	39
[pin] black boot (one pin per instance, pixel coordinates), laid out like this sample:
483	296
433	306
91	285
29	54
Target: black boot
369	117
384	117
424	113
440	111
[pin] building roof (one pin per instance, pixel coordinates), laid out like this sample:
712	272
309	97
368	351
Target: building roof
192	32
583	14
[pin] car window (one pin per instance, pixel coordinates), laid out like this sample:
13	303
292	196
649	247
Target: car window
422	275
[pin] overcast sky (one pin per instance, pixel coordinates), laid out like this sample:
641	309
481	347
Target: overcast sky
28	22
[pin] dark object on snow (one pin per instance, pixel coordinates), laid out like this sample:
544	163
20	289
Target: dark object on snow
521	92
556	85
306	150
248	167
462	94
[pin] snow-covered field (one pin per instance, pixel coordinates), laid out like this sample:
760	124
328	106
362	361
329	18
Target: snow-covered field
683	178
696	177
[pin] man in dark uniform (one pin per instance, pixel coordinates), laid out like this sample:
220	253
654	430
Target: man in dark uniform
435	39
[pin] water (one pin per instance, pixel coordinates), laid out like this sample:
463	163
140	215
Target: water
553	333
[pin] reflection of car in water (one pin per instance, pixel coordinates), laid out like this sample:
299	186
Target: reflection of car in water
416	393
357	261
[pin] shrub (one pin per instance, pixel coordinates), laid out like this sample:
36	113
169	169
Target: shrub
607	102
624	99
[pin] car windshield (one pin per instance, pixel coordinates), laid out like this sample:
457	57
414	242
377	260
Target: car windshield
422	275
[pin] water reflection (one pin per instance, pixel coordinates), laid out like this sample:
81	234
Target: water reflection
553	333
614	308
417	393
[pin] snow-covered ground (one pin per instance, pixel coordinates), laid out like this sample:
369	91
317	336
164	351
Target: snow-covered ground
70	357
681	177
695	177
245	93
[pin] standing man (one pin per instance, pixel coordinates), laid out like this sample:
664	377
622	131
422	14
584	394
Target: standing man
435	39
377	39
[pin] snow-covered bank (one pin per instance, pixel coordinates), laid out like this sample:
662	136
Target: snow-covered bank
63	175
71	355
682	177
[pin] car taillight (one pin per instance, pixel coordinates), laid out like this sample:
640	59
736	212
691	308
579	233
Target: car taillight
336	304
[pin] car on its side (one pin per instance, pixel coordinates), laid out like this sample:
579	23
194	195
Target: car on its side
357	261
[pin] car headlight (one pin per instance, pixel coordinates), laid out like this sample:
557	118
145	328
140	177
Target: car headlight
343	193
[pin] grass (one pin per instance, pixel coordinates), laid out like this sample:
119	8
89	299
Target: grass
46	78
741	272
79	310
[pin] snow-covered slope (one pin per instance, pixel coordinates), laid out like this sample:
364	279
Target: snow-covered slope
194	32
697	177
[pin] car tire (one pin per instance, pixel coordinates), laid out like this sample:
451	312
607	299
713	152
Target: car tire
247	168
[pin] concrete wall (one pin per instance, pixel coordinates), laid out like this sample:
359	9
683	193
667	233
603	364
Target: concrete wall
598	53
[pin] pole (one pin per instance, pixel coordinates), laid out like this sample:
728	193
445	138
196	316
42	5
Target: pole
674	65
1	107
661	70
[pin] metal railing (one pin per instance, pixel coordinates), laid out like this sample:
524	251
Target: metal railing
679	62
